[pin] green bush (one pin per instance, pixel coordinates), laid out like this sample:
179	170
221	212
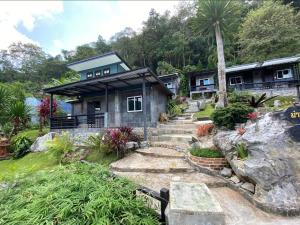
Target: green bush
241	150
74	194
241	97
206	153
230	115
175	109
94	142
20	146
196	96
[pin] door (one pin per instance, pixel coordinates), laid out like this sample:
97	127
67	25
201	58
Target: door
93	108
193	83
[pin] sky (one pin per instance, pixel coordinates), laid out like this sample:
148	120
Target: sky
57	25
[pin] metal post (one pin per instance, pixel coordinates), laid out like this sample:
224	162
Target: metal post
298	92
164	193
144	108
51	110
106	108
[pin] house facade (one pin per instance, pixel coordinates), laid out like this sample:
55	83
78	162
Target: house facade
171	81
111	94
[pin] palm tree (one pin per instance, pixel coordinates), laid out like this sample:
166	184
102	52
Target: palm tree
19	114
214	17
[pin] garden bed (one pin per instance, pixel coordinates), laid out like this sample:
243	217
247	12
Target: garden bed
209	158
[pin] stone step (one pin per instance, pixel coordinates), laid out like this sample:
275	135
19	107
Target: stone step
140	163
182	118
173	137
161	152
175	131
186	121
178	146
177	126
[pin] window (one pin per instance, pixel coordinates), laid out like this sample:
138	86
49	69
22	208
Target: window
202	82
97	73
169	85
134	104
106	71
235	80
89	75
286	73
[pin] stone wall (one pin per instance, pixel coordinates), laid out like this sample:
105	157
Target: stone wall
272	92
211	163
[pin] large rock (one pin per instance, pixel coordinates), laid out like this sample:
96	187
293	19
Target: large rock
40	143
273	164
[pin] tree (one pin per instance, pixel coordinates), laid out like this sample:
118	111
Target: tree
165	68
270	31
19	114
215	17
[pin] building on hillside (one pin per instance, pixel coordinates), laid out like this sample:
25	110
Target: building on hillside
110	94
171	81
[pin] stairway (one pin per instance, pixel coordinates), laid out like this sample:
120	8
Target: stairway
193	106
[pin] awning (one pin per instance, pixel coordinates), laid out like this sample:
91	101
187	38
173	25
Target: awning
286	60
241	67
113	81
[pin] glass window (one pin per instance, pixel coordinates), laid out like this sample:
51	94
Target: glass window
235	80
206	81
106	71
89	75
285	72
98	73
134	104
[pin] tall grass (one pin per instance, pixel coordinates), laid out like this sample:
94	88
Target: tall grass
74	194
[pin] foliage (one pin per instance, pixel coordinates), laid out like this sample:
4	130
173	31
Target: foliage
206	153
238	96
258	102
252	116
209	109
21	146
175	109
19	114
101	157
241	131
76	194
241	150
204	129
180	99
95	142
183	85
44	110
165	68
68	77
270	31
230	115
286	101
31	134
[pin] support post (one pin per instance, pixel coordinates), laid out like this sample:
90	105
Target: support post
145	108
164	193
106	108
51	110
298	92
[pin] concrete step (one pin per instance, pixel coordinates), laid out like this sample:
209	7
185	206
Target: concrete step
175	131
178	146
161	152
173	137
140	163
186	121
177	126
182	117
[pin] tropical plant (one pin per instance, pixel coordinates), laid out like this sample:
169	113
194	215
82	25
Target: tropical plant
230	115
19	114
20	146
241	150
74	194
44	110
241	131
95	142
206	153
205	129
215	17
258	102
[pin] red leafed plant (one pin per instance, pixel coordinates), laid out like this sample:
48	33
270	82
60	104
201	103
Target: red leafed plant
44	110
204	129
252	116
241	130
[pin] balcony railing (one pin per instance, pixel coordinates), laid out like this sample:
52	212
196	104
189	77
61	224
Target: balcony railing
70	122
200	88
266	85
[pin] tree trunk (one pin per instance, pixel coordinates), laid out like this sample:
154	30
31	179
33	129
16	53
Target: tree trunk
222	102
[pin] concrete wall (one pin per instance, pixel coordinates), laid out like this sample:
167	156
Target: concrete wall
272	92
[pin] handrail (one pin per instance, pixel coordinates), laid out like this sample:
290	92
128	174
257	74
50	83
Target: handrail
94	114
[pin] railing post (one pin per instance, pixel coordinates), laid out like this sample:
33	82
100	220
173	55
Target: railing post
51	110
164	193
106	119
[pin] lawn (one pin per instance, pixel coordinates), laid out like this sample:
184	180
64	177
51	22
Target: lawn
206	113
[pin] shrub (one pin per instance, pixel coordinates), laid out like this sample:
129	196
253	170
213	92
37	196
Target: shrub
96	143
241	97
206	153
21	146
196	96
258	102
241	150
230	115
205	129
174	109
74	194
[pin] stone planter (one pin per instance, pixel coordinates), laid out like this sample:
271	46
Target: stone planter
211	163
4	145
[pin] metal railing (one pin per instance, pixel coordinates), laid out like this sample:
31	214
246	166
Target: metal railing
69	122
206	87
266	85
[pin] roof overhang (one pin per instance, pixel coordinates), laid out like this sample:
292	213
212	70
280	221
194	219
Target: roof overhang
98	61
113	81
293	59
241	67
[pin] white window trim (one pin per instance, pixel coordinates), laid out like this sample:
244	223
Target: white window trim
236	77
137	96
198	82
91	73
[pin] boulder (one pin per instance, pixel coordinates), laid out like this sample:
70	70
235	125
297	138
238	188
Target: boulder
201	104
273	160
131	145
40	143
144	144
248	187
226	172
235	179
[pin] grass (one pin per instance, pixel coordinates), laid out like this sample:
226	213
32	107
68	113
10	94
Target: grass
74	194
286	101
100	157
206	153
32	134
204	113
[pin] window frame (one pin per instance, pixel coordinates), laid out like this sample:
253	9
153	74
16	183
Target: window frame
106	69
91	73
282	74
198	82
97	72
134	105
230	79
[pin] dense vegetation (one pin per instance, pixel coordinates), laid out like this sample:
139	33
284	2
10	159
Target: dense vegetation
60	196
169	43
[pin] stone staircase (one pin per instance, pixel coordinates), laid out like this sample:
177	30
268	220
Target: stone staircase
193	106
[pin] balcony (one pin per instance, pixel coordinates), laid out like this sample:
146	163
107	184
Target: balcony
266	85
203	88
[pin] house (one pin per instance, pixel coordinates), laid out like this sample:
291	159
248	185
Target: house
275	77
171	81
110	94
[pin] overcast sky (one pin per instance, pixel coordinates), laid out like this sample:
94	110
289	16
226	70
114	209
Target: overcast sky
56	25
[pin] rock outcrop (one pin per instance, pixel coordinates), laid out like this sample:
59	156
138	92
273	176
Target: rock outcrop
40	143
273	164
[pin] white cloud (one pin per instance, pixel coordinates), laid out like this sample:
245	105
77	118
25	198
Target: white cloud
14	13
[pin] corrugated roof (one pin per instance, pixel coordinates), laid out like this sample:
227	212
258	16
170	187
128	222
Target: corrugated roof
242	67
281	61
